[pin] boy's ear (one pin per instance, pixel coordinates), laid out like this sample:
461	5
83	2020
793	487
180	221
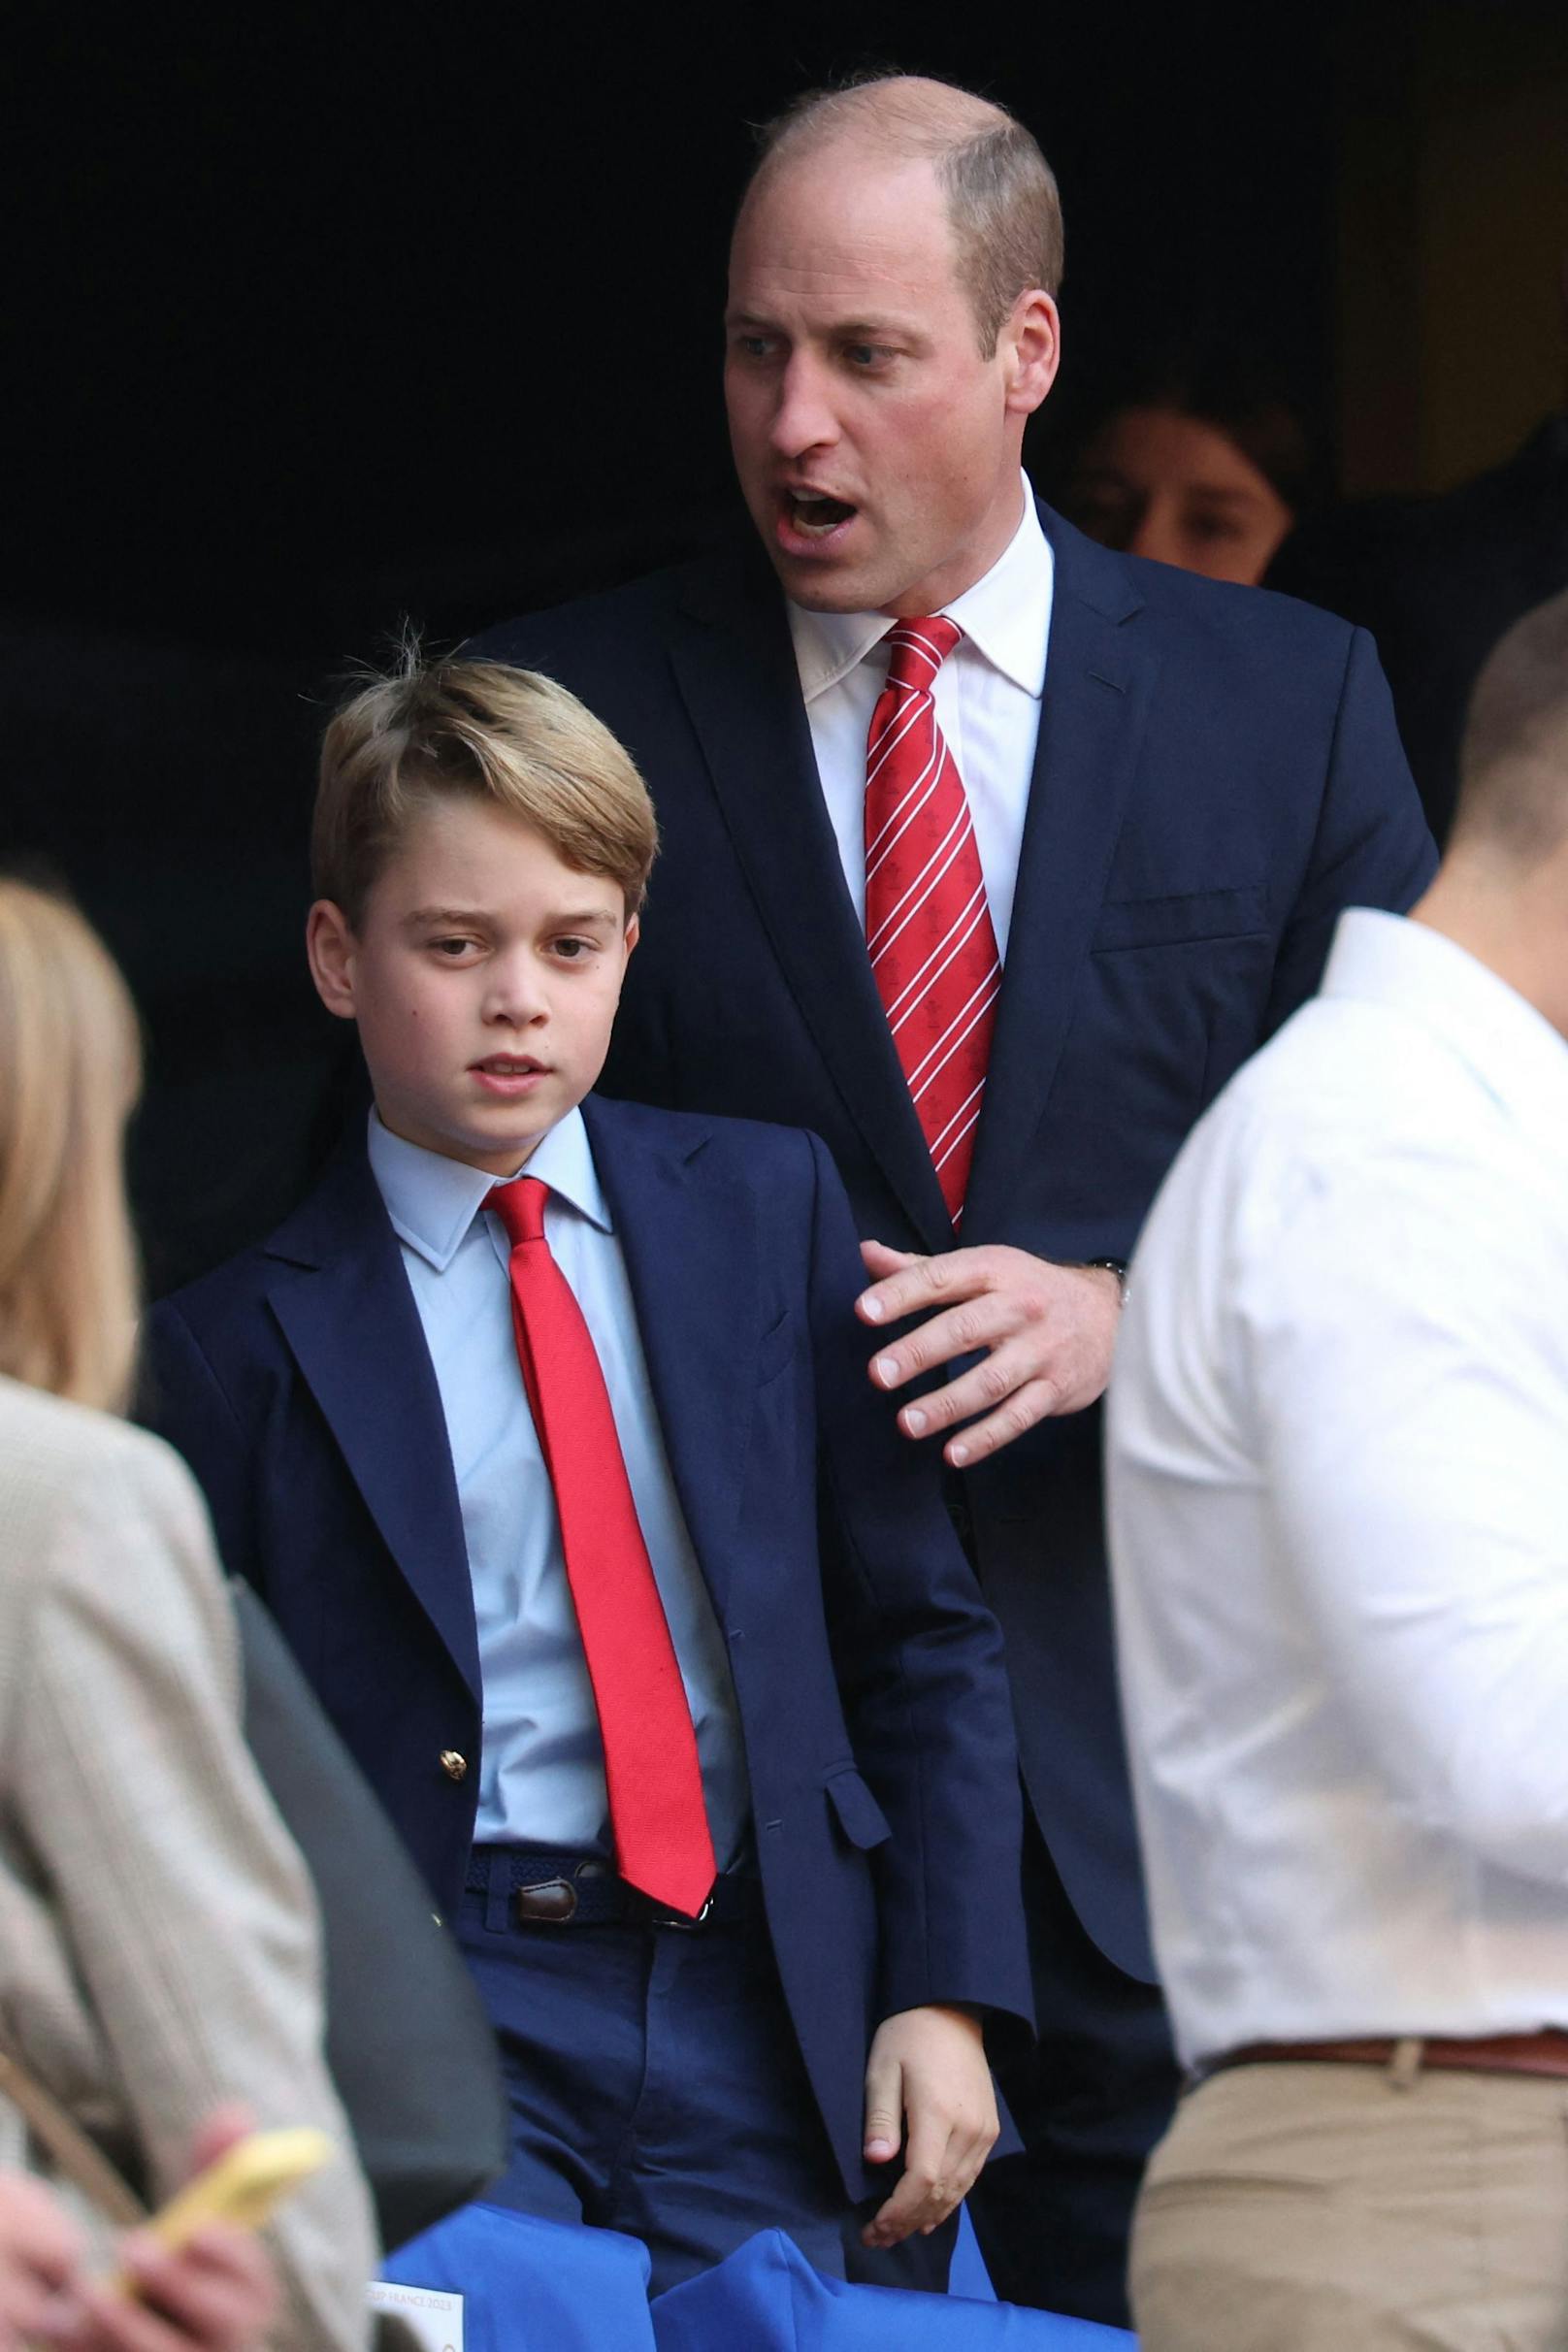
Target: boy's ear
331	945
634	931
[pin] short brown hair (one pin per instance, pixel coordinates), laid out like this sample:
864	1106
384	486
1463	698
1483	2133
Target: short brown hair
1514	759
1003	201
467	730
70	1068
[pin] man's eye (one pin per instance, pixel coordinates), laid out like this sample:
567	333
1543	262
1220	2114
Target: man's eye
868	355
751	346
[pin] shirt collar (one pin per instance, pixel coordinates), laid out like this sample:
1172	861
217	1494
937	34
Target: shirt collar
1005	616
1511	1050
433	1201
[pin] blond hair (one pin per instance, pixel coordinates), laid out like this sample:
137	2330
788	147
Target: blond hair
478	731
70	1069
1003	201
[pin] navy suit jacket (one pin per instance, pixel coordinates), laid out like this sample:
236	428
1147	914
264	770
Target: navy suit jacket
873	1696
1217	776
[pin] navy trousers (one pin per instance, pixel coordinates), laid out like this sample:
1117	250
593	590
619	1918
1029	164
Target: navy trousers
1090	2101
656	2085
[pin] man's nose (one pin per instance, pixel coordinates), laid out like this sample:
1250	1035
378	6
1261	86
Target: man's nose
805	417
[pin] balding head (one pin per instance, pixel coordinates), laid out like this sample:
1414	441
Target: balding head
1001	194
1513	807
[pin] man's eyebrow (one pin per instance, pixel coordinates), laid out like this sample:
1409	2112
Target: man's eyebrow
845	330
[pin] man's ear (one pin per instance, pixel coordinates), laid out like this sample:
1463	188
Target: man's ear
331	948
1031	348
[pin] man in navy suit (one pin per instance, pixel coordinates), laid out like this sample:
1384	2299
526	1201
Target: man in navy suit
1175	786
569	1493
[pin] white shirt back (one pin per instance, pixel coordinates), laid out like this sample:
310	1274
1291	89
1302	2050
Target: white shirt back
1338	1487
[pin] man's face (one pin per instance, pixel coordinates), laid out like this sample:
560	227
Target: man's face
877	451
484	977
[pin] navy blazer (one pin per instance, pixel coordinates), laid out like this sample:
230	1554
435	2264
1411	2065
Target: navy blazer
869	1673
1217	776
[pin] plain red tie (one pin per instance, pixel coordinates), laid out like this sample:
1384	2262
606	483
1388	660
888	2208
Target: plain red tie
928	927
657	1812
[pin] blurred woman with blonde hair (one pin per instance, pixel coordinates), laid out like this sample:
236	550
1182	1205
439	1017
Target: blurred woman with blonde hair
158	1942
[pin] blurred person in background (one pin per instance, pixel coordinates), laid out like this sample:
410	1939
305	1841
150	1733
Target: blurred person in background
1198	460
219	2294
1338	1487
1438	581
158	1941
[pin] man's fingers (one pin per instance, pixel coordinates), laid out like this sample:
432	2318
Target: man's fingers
965	1329
910	1284
1034	1402
878	1259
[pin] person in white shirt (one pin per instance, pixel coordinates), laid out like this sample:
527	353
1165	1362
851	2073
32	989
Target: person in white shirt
1338	1494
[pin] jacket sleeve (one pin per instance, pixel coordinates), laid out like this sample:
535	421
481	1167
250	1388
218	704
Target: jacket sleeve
1372	846
919	1662
183	1401
180	1898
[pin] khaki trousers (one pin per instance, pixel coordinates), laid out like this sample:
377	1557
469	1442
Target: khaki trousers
1317	2208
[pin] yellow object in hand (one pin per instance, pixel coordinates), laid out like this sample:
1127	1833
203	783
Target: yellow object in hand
242	2186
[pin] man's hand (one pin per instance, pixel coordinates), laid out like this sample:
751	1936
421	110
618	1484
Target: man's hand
1048	1332
928	2071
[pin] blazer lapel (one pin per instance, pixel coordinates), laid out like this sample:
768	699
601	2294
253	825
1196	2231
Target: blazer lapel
1099	681
346	1311
735	668
690	1247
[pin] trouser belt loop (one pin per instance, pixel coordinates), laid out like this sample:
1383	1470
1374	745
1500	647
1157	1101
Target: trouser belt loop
1405	2064
497	1892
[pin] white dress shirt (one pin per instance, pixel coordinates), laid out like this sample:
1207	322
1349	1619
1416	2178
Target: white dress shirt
988	705
541	1762
1338	1471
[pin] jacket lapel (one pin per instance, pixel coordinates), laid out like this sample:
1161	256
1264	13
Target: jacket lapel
690	1246
735	668
1099	680
341	1297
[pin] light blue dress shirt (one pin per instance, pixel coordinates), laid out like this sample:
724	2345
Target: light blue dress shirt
541	1770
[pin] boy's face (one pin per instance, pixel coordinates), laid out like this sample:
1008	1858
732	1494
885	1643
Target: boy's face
484	977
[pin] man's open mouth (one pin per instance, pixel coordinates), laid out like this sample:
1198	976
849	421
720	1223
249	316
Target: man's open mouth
815	515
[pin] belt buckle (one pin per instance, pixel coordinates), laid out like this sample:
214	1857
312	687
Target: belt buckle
669	1918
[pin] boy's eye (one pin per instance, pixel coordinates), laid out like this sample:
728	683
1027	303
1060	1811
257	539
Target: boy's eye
451	949
572	951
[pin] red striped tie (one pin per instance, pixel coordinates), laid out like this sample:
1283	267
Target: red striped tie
651	1769
928	927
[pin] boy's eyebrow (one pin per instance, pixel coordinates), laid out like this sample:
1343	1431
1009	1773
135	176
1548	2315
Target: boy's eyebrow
459	918
429	918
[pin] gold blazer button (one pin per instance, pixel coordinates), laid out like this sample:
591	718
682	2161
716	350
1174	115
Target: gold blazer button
454	1766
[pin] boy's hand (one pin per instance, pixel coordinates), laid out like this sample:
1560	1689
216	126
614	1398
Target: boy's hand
1047	1334
927	2068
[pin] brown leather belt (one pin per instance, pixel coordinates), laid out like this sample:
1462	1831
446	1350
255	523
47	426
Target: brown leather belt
1543	2053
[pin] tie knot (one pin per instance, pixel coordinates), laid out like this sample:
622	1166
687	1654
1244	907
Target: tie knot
520	1207
917	650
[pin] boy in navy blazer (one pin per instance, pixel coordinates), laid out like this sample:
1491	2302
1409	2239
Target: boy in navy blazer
605	1556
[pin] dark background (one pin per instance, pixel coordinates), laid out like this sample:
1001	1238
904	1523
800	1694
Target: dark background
363	308
326	317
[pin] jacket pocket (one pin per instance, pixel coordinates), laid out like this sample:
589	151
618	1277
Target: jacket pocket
859	1816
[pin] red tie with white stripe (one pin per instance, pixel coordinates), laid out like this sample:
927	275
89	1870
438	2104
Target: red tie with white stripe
928	927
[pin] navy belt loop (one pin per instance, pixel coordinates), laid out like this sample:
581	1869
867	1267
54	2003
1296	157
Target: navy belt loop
498	1890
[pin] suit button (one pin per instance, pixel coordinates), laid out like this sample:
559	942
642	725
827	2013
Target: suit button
454	1766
